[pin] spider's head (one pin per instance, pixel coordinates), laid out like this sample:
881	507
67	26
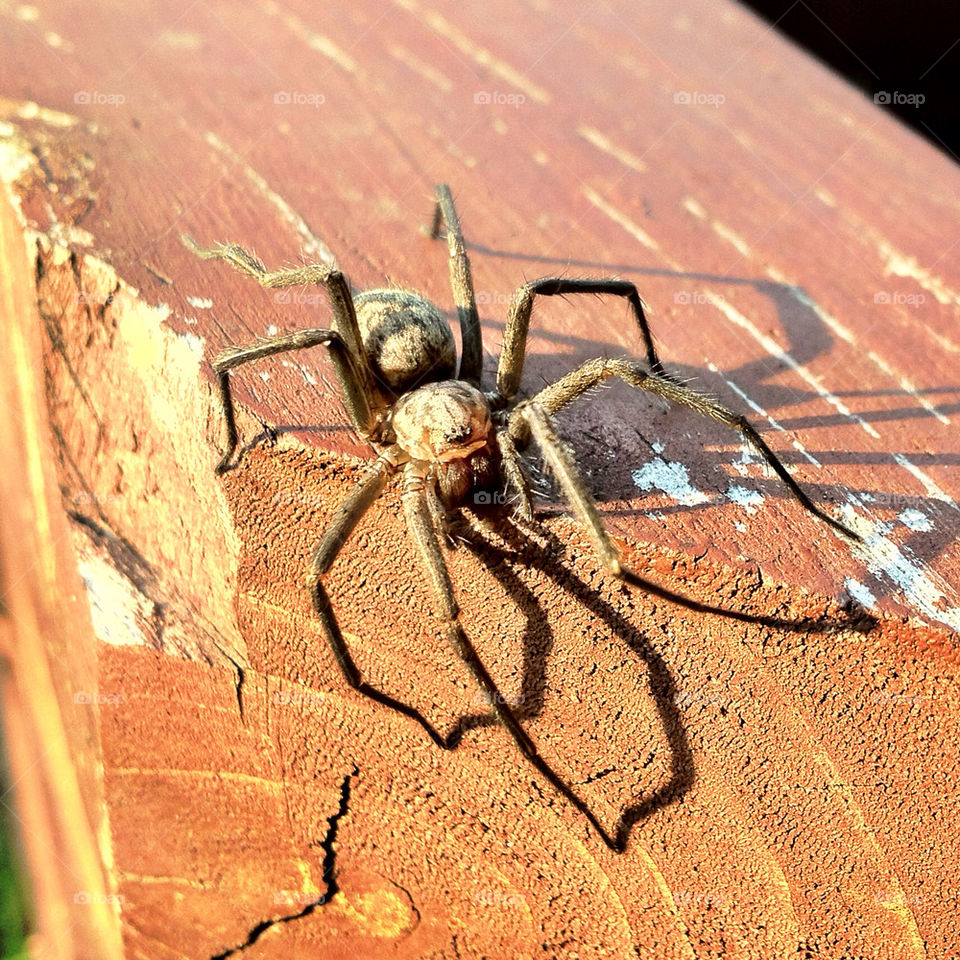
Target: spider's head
448	425
442	422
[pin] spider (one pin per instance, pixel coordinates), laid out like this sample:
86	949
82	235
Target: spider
395	358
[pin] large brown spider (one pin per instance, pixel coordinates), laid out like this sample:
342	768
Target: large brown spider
395	357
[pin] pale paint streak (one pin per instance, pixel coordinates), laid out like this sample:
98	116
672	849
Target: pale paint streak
315	41
593	136
480	55
426	70
614	214
313	246
842	331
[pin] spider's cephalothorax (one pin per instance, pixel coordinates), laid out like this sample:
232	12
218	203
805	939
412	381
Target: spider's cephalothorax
447	425
395	358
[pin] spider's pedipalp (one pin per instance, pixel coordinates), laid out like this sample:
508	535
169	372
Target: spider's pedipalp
563	467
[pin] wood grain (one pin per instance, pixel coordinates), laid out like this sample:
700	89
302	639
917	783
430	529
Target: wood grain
788	788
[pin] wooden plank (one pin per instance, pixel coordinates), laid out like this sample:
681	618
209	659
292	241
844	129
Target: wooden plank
792	243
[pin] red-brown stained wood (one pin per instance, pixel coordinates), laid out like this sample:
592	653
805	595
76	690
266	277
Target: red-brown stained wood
220	791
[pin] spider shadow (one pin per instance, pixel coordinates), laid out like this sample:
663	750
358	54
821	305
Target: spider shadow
807	337
521	547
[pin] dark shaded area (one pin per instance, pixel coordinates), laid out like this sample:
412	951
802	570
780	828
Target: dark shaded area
905	55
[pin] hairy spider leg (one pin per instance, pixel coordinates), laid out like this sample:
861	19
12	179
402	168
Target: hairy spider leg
590	374
355	399
514	349
338	531
513	468
461	280
419	520
355	377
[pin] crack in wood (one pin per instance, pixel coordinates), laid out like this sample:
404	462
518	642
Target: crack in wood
329	875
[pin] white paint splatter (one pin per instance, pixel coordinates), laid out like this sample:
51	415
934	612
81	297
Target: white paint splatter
200	303
671	478
923	587
916	520
859	592
749	499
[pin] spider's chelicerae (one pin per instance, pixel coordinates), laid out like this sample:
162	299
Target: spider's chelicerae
395	357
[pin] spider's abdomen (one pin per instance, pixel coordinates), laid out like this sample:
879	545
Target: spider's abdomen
406	338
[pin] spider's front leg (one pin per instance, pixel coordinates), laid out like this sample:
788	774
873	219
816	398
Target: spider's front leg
514	349
417	510
536	414
357	401
343	523
345	344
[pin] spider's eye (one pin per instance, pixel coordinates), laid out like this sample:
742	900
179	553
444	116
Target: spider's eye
458	433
